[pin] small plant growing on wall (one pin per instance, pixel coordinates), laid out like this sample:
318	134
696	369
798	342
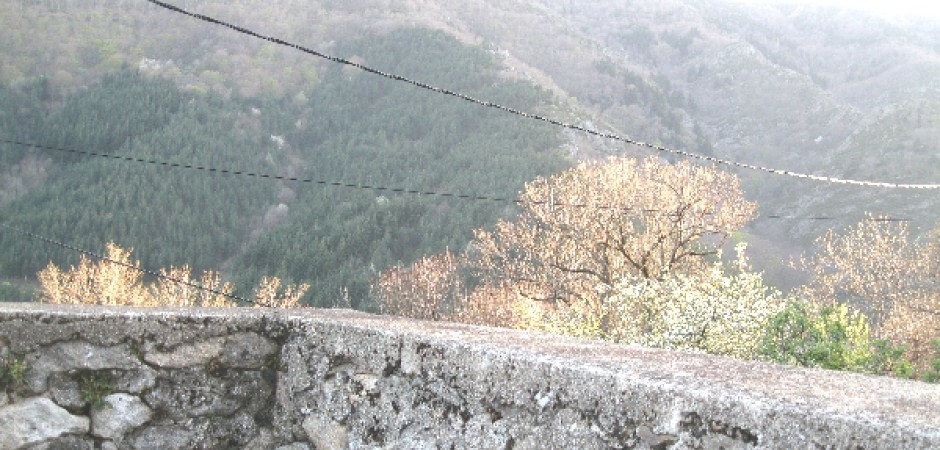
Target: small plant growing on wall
94	389
137	352
12	373
276	364
215	368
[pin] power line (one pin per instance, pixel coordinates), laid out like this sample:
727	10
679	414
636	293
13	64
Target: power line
246	173
870	219
470	197
123	264
556	122
341	184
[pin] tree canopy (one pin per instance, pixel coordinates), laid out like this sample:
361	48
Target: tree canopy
584	230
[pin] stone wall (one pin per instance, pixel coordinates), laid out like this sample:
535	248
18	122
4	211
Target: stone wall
96	377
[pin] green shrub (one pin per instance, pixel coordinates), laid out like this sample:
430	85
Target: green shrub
832	338
12	373
94	389
932	375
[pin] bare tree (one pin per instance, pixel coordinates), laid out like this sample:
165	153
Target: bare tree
427	289
116	282
91	282
585	230
879	267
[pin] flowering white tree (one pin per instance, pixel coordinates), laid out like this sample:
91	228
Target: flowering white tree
710	311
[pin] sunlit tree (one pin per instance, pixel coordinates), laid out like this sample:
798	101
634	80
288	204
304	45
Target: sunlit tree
99	283
715	310
428	289
116	282
586	229
167	292
436	288
878	267
269	294
496	305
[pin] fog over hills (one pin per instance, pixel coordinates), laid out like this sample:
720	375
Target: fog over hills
824	90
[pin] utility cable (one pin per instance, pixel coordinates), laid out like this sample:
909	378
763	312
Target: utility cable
824	218
261	175
471	197
123	264
319	182
556	122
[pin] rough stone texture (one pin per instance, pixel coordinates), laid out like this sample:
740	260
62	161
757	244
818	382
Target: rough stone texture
66	443
257	378
76	355
136	381
65	392
324	433
294	446
197	393
37	421
247	351
239	351
171	437
118	414
187	355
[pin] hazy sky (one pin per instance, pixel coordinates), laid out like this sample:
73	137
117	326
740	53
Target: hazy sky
919	7
882	7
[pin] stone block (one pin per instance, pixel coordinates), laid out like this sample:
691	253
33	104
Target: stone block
65	391
295	446
37	420
165	437
75	355
325	433
120	412
247	351
187	355
136	381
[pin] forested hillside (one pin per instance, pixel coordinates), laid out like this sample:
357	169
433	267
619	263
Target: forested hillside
382	133
349	130
170	216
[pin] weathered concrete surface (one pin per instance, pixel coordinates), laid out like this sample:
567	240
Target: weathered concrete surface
257	378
